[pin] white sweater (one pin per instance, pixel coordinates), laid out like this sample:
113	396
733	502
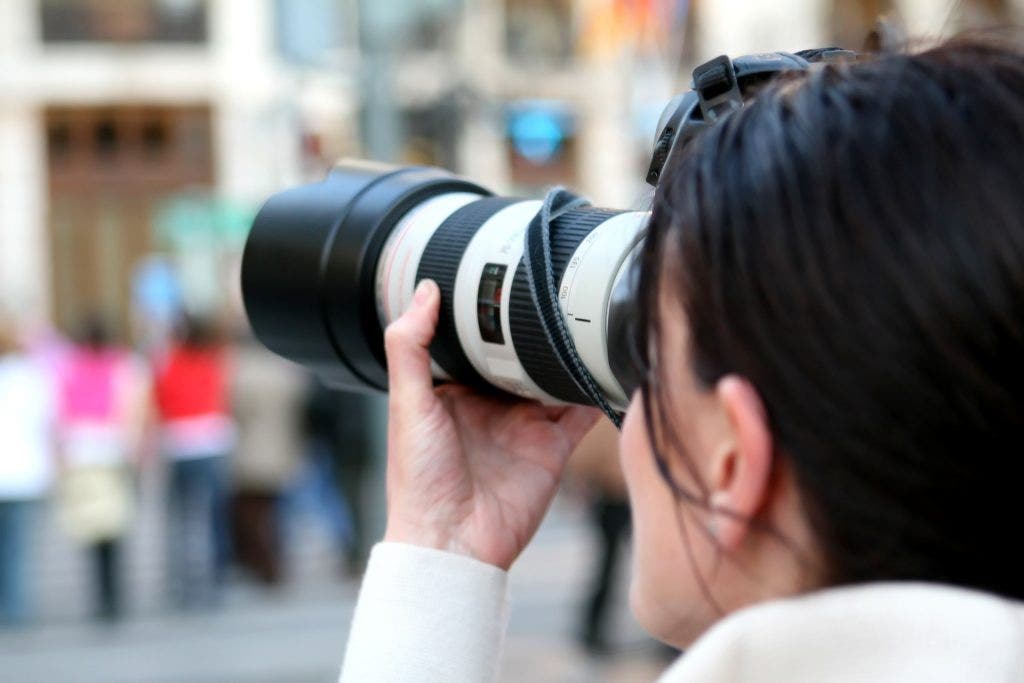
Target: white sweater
425	615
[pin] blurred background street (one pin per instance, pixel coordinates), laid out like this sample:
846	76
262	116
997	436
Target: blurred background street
177	504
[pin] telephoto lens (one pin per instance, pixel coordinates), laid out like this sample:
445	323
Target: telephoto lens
328	266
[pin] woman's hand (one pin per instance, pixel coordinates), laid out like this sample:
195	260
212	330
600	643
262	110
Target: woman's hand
467	473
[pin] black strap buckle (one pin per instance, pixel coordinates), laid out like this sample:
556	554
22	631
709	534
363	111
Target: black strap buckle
716	85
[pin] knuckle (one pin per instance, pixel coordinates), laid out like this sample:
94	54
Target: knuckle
394	336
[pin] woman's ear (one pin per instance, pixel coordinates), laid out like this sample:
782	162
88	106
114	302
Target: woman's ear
742	468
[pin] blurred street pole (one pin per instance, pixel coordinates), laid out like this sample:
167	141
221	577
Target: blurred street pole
381	28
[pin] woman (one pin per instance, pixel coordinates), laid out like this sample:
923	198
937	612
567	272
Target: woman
102	390
822	457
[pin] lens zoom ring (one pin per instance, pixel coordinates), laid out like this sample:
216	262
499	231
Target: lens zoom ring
531	345
440	263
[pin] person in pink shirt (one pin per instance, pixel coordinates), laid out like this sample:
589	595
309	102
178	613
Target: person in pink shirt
99	425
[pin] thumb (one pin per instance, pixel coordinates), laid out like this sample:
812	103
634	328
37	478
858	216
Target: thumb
406	344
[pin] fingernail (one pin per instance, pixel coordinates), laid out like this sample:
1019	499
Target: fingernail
422	292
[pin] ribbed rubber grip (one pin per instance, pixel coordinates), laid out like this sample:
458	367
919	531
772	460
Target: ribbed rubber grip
531	345
440	263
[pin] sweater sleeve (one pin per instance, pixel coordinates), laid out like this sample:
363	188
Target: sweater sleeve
426	615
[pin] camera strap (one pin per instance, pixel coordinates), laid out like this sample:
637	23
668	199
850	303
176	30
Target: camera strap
540	274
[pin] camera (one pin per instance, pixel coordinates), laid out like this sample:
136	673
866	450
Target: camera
537	296
327	266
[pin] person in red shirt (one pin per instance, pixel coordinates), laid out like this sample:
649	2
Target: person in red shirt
197	437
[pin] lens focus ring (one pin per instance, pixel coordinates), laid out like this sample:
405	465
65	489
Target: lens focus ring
440	263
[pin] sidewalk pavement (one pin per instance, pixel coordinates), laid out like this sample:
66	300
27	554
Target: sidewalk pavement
298	634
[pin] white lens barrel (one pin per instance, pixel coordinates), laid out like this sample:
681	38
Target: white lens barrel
481	305
585	292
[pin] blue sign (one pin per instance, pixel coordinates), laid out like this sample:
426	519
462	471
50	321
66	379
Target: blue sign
538	130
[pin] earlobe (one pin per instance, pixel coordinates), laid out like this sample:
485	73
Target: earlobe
742	489
719	507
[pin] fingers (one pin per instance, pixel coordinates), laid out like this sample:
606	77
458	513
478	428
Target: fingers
406	344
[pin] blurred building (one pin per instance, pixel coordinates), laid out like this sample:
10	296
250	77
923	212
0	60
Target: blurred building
138	133
150	126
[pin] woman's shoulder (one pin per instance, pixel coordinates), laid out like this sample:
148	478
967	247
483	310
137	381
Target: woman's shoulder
880	632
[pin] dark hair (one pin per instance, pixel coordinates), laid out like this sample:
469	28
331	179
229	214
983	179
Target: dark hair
852	243
198	332
94	332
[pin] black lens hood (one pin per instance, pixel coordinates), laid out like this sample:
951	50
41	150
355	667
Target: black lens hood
308	269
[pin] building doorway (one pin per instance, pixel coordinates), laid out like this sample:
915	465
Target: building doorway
110	168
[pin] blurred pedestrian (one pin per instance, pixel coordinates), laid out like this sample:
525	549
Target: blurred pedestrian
101	410
338	427
198	436
267	396
353	466
320	487
27	408
594	466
